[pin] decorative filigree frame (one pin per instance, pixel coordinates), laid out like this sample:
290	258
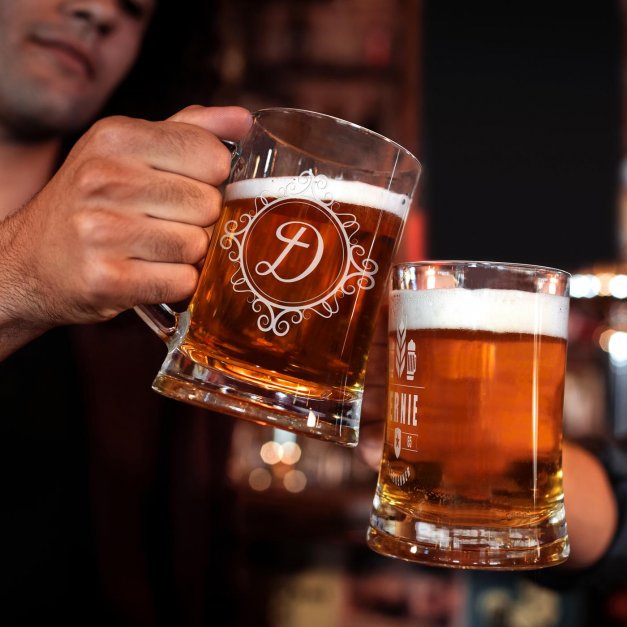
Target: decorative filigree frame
357	273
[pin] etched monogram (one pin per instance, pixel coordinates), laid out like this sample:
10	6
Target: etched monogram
297	235
291	242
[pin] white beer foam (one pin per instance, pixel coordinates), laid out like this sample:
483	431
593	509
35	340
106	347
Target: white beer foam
501	311
353	192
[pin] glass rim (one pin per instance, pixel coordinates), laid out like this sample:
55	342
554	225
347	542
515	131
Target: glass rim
469	263
357	127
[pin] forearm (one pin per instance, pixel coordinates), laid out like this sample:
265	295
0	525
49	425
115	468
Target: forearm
16	326
591	508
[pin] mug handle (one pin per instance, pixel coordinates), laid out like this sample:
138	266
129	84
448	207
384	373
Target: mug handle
162	319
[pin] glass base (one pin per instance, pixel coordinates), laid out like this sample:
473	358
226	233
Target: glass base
183	379
396	533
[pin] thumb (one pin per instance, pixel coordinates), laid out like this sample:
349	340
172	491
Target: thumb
224	122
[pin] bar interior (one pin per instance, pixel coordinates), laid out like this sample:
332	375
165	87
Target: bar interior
177	516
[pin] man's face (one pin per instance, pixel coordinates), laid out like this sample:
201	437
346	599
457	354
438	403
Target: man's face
61	59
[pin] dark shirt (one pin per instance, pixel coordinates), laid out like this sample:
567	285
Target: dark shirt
612	568
610	572
116	498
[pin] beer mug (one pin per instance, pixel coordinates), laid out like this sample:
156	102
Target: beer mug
471	474
279	327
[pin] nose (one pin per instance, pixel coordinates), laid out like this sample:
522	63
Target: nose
96	16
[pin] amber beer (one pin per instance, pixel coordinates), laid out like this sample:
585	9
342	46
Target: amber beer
292	283
472	452
280	324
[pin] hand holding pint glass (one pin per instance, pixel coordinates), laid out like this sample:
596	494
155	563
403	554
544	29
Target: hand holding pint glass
279	328
471	474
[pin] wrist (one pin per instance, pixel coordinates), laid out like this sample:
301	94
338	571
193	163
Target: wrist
19	322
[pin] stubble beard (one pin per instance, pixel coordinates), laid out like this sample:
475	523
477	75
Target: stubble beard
31	112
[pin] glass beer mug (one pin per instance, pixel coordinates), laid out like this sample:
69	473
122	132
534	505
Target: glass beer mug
471	475
279	327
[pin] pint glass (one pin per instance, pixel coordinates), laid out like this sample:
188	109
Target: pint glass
279	328
471	475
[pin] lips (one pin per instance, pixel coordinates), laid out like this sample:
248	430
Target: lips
70	53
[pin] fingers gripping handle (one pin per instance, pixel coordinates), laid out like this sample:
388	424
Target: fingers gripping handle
162	319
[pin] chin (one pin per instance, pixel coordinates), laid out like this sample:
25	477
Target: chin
50	120
35	111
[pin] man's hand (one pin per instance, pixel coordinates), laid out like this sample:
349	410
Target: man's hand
121	223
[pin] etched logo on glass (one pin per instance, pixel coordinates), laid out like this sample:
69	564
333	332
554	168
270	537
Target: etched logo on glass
404	395
296	253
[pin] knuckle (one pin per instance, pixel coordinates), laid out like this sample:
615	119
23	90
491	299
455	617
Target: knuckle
94	226
193	108
111	131
95	174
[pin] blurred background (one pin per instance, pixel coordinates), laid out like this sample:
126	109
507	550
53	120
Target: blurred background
518	114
